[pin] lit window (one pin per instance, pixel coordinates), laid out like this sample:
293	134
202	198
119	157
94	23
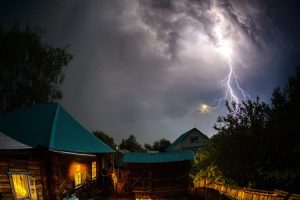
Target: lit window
94	170
77	174
20	185
23	185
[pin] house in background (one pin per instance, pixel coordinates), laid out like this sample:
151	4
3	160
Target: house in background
46	154
191	140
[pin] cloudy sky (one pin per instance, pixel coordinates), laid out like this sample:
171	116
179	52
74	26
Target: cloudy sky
159	68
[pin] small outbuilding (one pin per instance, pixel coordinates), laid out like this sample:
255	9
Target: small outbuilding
153	175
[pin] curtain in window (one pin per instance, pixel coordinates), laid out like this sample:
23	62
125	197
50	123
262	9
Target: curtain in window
20	184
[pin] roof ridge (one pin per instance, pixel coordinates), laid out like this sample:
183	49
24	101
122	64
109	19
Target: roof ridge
178	139
201	133
53	127
86	129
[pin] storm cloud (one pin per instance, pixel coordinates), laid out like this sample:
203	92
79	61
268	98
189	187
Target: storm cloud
145	67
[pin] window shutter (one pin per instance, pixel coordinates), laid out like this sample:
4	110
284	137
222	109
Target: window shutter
32	187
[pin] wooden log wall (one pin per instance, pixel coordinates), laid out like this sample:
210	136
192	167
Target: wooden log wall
32	167
53	173
62	174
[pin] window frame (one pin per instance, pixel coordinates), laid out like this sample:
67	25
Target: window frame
75	172
26	173
94	168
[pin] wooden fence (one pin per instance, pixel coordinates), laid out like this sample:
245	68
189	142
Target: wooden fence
245	193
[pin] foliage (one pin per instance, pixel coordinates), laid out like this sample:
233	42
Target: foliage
233	151
131	144
257	145
284	165
105	138
30	71
160	145
204	168
148	147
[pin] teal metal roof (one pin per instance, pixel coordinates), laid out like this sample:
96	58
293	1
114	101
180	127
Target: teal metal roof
173	156
182	137
50	126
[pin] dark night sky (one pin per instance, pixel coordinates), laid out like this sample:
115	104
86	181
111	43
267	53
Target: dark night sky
146	67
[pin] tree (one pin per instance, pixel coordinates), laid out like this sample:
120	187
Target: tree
284	149
131	144
257	145
30	71
239	143
105	138
148	147
234	154
160	145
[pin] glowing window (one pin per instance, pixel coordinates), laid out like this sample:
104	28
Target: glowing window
20	186
77	174
94	170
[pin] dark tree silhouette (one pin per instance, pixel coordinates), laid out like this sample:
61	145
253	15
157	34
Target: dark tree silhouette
257	145
131	144
105	138
30	71
160	145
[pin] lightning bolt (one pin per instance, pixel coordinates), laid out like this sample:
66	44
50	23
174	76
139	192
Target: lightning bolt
234	92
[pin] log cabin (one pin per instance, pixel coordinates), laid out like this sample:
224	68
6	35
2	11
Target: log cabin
46	154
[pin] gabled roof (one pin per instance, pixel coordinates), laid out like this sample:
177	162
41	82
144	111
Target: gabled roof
172	156
50	126
9	143
183	136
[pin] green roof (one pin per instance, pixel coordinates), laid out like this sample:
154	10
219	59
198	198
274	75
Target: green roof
51	126
182	137
173	156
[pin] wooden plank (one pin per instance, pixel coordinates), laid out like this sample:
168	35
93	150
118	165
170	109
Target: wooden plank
6	189
5	186
3	163
33	167
33	163
35	174
16	163
8	196
3	182
4	177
